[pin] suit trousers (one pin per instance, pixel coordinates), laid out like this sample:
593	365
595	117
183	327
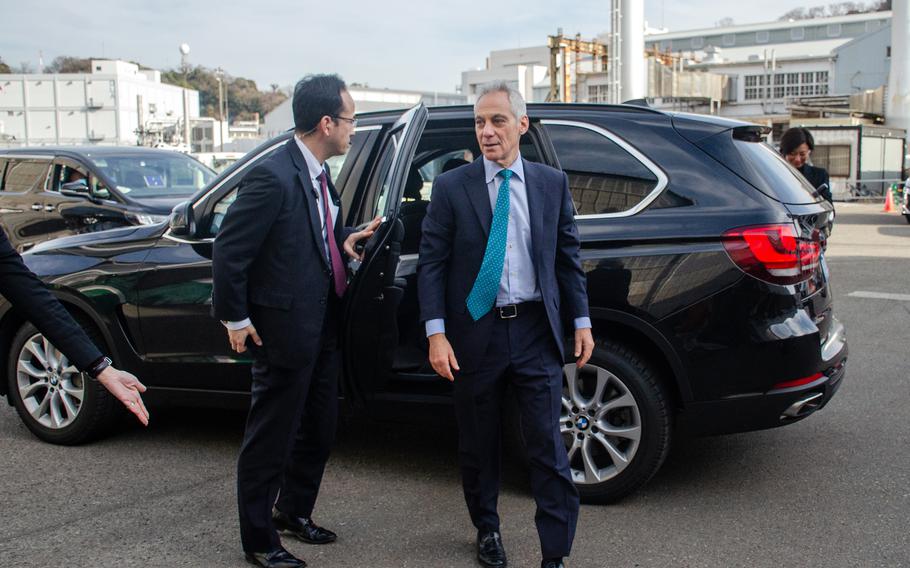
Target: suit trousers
521	355
290	429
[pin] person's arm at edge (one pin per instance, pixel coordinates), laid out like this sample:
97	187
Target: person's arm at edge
28	296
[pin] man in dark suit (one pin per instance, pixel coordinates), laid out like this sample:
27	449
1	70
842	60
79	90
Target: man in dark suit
499	254
29	297
279	276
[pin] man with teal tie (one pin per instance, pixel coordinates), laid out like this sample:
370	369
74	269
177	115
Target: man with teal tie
499	254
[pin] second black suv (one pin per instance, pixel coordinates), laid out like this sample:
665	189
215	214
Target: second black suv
704	255
49	192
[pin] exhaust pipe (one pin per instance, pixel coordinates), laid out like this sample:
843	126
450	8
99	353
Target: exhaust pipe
803	407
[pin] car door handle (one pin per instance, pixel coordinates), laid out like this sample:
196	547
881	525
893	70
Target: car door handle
36	207
49	208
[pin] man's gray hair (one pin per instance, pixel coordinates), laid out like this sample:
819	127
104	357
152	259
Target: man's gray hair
516	101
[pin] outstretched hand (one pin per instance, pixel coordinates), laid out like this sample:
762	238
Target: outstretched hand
126	388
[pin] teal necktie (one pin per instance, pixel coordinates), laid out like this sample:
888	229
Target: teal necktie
486	286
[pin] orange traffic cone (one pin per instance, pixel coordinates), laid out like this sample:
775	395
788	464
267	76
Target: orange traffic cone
889	202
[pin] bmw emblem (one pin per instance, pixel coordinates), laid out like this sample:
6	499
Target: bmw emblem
582	423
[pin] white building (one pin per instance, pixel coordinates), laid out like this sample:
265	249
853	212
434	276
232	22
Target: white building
526	69
281	118
770	64
107	106
765	65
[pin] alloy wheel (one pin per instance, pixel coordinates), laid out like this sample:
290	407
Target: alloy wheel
600	423
51	388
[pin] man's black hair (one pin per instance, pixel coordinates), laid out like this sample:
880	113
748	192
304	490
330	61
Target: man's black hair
316	96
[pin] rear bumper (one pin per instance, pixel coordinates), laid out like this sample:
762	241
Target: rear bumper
771	409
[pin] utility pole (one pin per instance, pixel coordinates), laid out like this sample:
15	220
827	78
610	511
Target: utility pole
561	46
219	74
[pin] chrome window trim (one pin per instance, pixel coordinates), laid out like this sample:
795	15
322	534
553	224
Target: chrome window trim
167	234
662	178
42	157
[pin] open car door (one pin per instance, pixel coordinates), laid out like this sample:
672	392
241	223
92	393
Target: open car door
370	333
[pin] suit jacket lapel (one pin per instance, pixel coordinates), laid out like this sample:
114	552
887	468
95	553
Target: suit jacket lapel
307	186
476	189
536	205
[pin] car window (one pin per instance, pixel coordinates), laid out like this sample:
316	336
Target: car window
23	175
154	175
66	172
603	176
383	172
431	168
221	210
335	165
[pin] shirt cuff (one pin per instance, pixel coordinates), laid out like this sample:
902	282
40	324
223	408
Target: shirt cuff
235	325
582	323
435	326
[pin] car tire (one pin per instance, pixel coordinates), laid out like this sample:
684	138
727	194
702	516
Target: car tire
49	402
635	423
907	217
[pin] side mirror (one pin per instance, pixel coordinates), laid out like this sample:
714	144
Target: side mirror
181	221
76	189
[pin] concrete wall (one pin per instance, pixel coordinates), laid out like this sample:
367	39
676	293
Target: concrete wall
862	64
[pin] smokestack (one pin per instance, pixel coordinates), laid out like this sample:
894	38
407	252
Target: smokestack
897	109
633	49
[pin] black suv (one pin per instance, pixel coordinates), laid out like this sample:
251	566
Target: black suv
50	192
704	254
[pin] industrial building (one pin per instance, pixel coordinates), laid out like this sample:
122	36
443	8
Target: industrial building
832	75
117	103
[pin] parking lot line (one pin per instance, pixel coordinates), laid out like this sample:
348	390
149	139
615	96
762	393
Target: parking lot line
880	295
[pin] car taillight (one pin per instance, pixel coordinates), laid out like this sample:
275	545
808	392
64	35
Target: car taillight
773	253
798	382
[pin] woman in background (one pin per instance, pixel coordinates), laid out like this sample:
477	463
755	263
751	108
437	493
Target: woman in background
795	146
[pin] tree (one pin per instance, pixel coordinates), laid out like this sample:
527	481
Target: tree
243	97
724	22
794	14
25	68
67	64
4	68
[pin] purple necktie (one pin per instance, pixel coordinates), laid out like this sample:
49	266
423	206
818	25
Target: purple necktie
337	264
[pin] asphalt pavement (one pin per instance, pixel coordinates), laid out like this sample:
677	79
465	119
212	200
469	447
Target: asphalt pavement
830	491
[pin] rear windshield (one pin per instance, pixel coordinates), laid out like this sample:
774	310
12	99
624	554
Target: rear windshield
155	175
770	173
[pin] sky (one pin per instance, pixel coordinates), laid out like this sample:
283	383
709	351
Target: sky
383	43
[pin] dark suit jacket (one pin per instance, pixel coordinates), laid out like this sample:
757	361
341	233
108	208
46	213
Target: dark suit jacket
454	240
30	298
817	177
269	261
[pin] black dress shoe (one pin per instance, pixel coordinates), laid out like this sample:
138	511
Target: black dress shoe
303	528
278	558
490	551
552	563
